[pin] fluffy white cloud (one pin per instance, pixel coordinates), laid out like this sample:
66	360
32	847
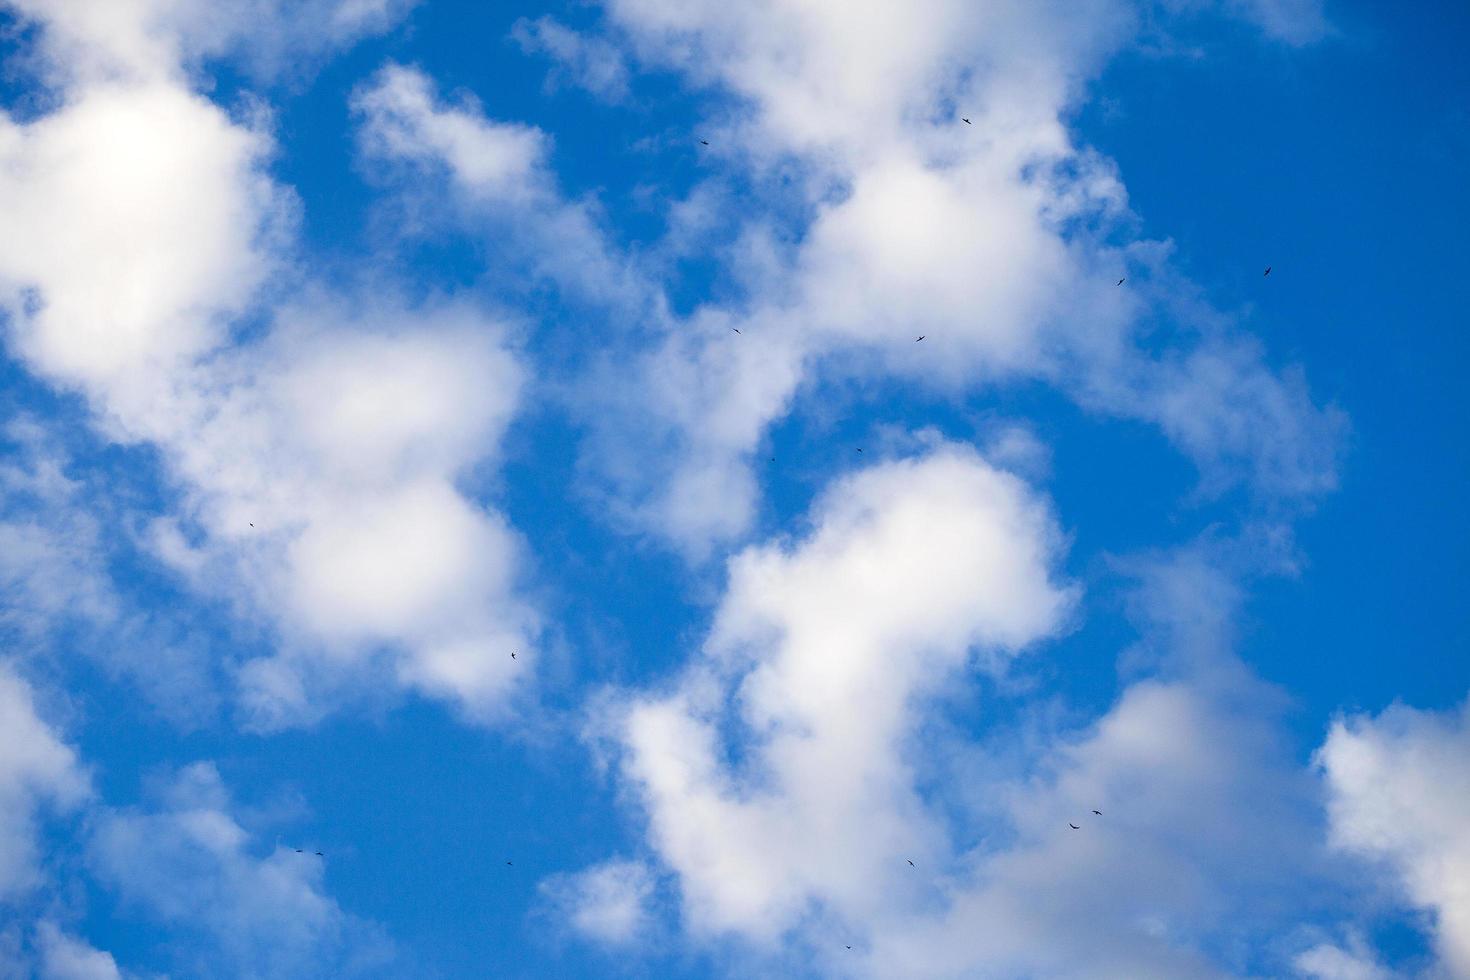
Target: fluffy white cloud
806	757
990	240
607	903
1399	791
190	864
143	227
828	645
36	770
92	40
65	957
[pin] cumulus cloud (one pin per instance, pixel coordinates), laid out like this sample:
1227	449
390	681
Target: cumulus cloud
1399	787
500	172
1327	961
37	771
341	431
189	864
805	757
50	550
65	957
95	40
589	62
993	240
607	903
827	646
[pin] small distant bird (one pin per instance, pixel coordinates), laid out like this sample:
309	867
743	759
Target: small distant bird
1121	281
299	851
849	947
1074	826
507	864
1267	272
859	450
320	854
704	142
735	329
966	121
512	655
921	337
911	864
1098	812
252	525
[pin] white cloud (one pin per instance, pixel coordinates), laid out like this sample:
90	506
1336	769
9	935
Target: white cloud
37	770
403	120
1326	961
144	225
123	254
1399	790
588	61
65	957
190	865
607	903
50	553
829	645
500	171
988	239
806	756
96	40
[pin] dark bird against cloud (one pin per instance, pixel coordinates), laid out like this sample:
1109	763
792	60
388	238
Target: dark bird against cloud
1267	272
1074	826
966	121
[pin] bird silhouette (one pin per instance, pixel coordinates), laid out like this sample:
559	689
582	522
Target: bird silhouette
252	525
1267	272
1074	826
300	851
512	655
911	864
1098	812
1121	281
966	121
735	329
921	337
704	142
507	864
859	450
849	947
320	854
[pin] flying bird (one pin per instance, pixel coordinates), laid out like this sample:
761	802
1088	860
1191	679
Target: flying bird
300	851
1267	272
1098	812
512	655
1121	281
921	337
736	329
849	947
1074	826
966	121
860	449
704	142
320	854
507	864
911	864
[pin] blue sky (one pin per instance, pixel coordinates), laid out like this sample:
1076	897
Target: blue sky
351	345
